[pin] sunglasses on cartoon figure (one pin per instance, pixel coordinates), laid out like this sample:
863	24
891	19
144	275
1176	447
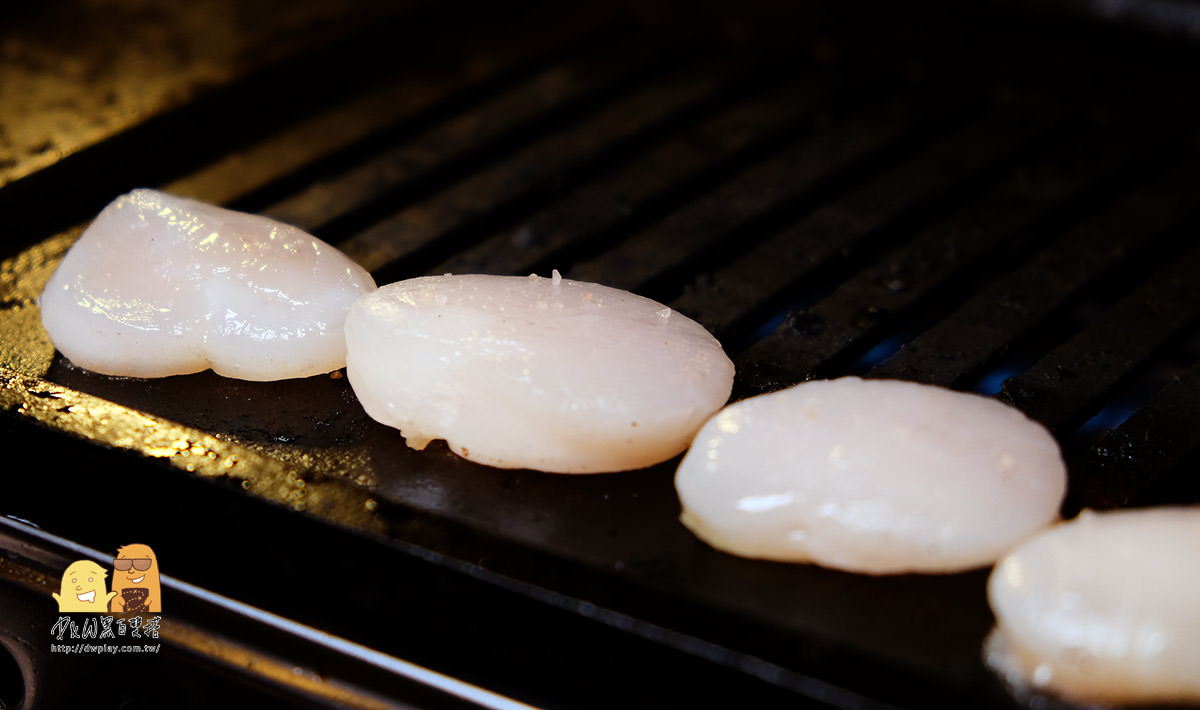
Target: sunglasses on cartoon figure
140	564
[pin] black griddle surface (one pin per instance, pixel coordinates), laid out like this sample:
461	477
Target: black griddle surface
982	201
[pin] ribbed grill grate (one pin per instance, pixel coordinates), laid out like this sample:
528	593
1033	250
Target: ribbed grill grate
949	217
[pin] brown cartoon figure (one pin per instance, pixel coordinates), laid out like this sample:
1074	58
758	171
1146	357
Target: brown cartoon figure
135	580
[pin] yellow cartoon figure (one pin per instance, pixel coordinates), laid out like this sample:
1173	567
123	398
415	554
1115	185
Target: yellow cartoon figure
83	588
135	579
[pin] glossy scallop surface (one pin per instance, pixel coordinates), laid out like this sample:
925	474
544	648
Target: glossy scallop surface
541	373
1103	609
873	476
165	285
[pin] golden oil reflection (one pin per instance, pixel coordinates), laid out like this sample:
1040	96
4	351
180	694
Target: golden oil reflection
89	417
24	345
278	473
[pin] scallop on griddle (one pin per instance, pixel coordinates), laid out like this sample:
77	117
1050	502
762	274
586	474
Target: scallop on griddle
164	285
541	373
872	476
1103	609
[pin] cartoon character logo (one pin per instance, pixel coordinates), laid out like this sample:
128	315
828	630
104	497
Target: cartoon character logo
135	580
83	588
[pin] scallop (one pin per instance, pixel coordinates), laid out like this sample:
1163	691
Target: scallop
871	476
164	285
1103	609
542	373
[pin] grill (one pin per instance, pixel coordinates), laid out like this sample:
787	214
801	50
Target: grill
994	201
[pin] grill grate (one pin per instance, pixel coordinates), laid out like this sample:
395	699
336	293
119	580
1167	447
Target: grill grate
828	201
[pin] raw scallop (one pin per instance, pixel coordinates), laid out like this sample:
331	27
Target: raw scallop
1103	609
874	476
164	285
548	374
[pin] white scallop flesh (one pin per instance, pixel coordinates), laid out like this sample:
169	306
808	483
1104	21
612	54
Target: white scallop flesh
541	373
164	285
871	476
1103	609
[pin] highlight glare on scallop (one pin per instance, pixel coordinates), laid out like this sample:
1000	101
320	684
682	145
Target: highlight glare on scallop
543	373
164	285
1103	609
871	476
